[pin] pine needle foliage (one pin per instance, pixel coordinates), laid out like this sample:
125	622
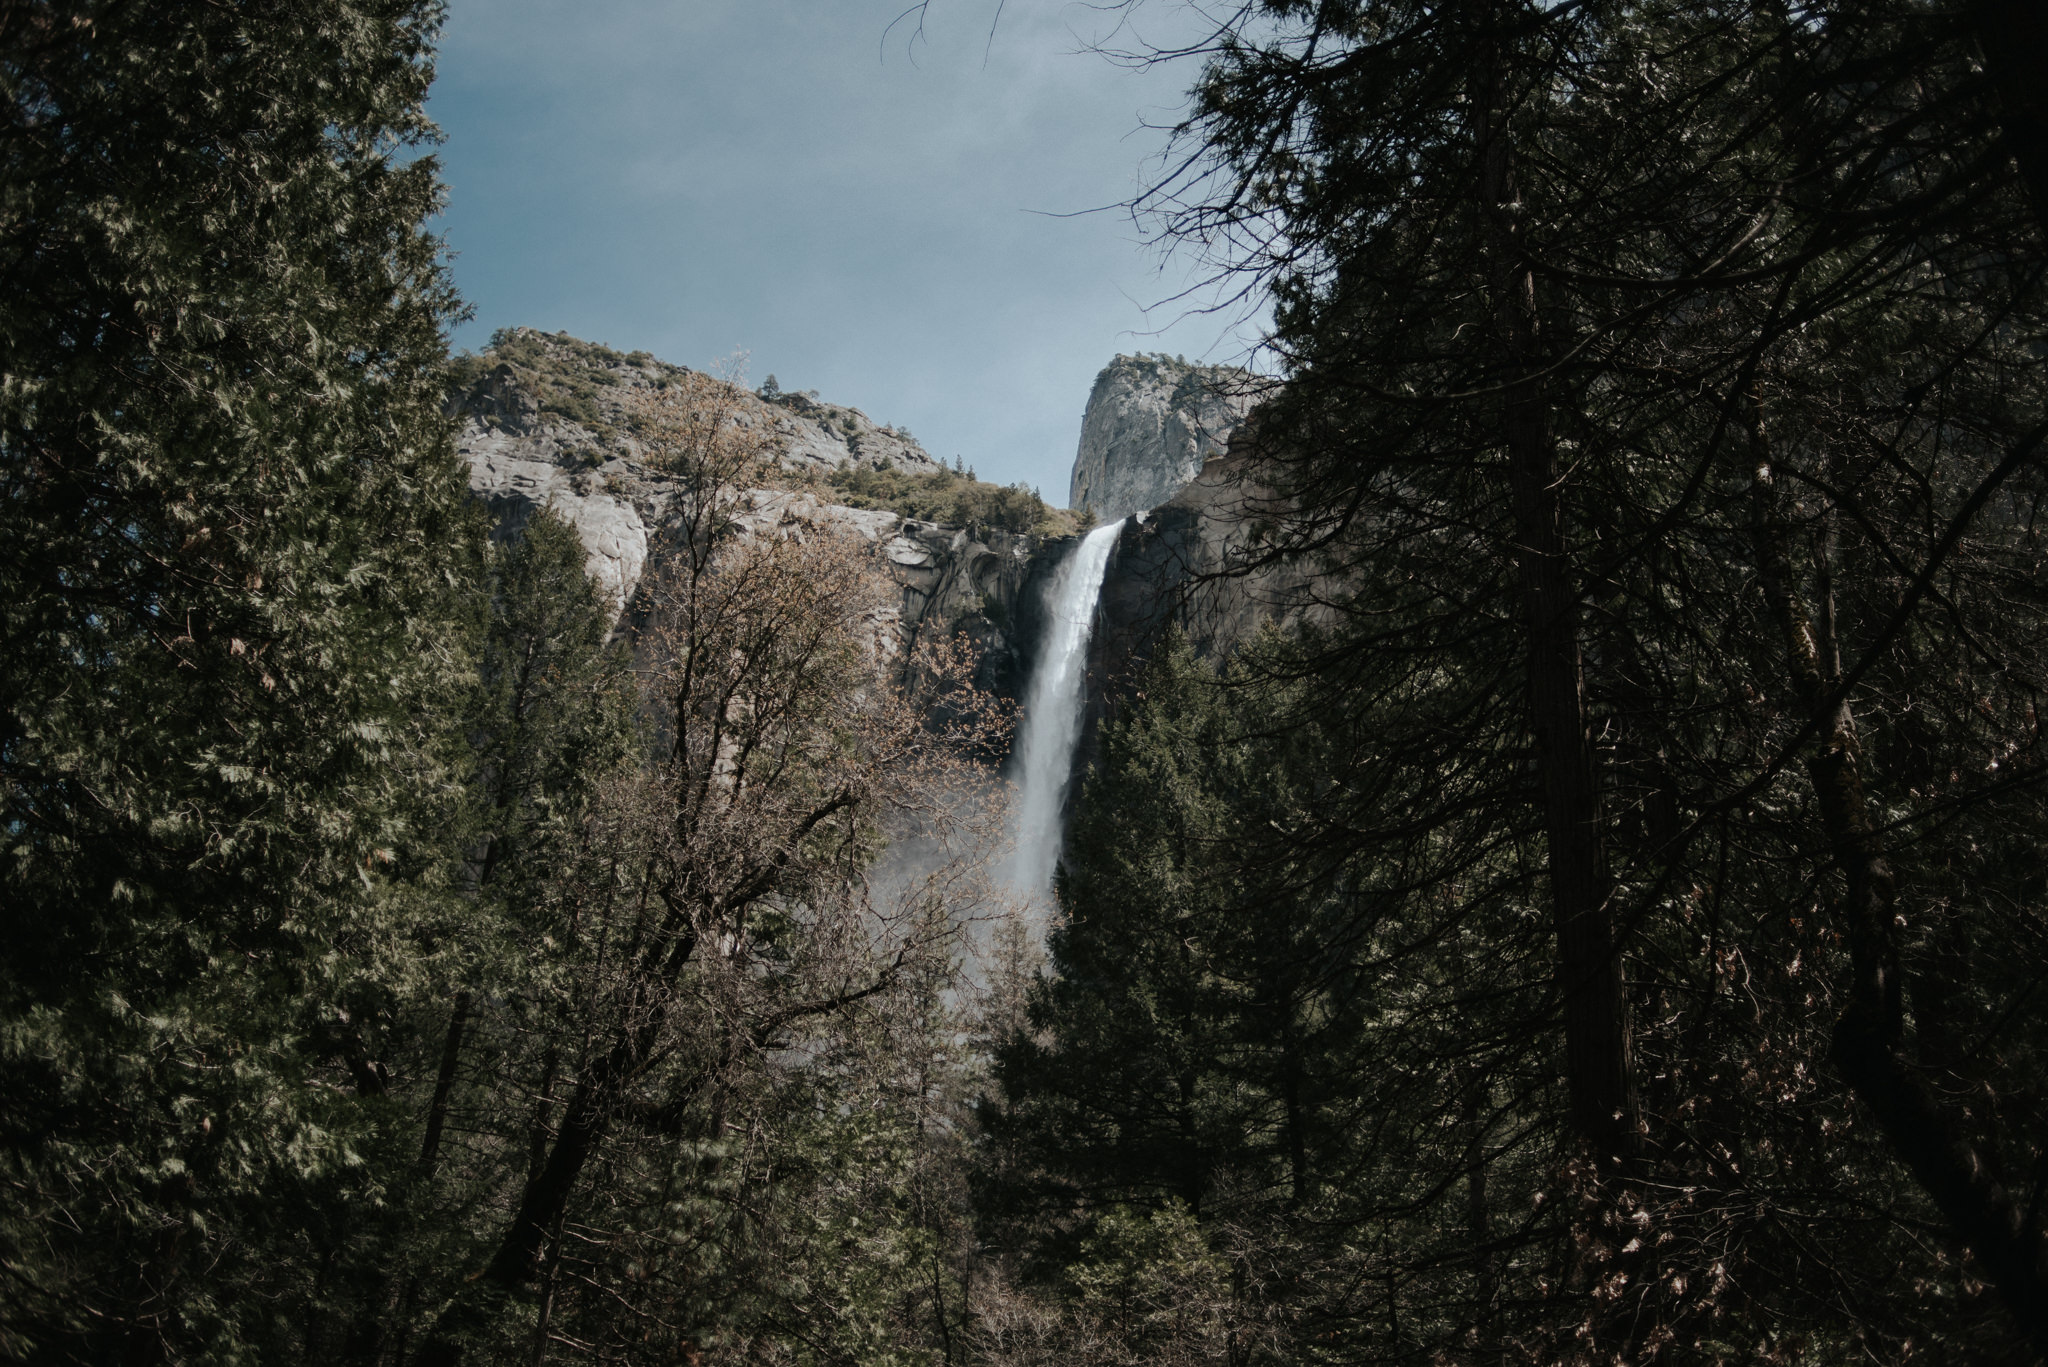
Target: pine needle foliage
1663	432
231	633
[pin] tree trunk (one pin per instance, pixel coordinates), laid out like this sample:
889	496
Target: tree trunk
1597	1049
1870	1036
437	1109
1478	1222
546	1198
2013	38
542	1204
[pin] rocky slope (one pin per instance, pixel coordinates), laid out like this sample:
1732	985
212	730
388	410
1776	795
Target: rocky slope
1150	423
548	421
563	397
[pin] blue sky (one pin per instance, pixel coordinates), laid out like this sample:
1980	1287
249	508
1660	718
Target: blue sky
868	215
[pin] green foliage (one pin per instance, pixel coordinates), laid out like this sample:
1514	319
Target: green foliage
1626	479
464	369
864	1258
1190	1062
554	709
1150	1284
565	375
548	723
948	497
234	538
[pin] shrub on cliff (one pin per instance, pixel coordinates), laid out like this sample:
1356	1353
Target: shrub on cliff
948	497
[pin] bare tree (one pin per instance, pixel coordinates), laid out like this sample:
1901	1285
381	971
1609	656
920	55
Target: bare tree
721	898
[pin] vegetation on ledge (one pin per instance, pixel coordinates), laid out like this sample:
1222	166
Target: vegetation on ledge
951	497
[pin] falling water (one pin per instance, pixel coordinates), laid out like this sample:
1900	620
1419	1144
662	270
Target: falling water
1052	715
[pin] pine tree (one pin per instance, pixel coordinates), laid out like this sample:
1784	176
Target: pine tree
1656	416
1135	1098
1174	1114
234	637
551	728
554	710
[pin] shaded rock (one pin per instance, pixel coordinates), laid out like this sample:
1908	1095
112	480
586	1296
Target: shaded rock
1193	562
585	466
1150	423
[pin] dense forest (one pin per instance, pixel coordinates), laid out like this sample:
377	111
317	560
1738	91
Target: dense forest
1606	927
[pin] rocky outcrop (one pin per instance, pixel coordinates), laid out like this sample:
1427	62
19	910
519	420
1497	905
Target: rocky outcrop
1190	562
543	431
610	506
1150	423
547	420
980	583
557	398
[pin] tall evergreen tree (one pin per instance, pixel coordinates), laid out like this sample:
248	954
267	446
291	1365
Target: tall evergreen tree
1549	280
233	643
1181	1042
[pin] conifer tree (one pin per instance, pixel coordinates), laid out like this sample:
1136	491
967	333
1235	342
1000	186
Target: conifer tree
233	644
1175	1017
1654	408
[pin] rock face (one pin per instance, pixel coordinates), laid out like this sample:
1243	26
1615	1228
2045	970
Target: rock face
1150	423
548	421
552	424
980	583
1185	564
610	505
553	428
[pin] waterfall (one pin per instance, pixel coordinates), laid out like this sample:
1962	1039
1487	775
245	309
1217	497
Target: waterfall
1052	716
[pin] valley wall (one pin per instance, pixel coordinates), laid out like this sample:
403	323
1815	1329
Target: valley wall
549	421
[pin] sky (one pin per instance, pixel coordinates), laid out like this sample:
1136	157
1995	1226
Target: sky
900	222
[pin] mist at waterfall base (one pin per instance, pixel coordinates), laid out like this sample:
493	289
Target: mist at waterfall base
1051	727
1016	882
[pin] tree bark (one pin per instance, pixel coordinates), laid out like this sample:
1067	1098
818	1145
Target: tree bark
1598	1062
437	1109
546	1198
1869	1042
2013	38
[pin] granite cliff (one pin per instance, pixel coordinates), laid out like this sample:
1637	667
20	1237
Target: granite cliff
1150	423
546	420
1191	562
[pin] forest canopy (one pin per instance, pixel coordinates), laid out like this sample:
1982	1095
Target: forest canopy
1662	421
1601	920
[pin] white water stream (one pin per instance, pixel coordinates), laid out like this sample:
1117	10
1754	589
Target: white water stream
1051	725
